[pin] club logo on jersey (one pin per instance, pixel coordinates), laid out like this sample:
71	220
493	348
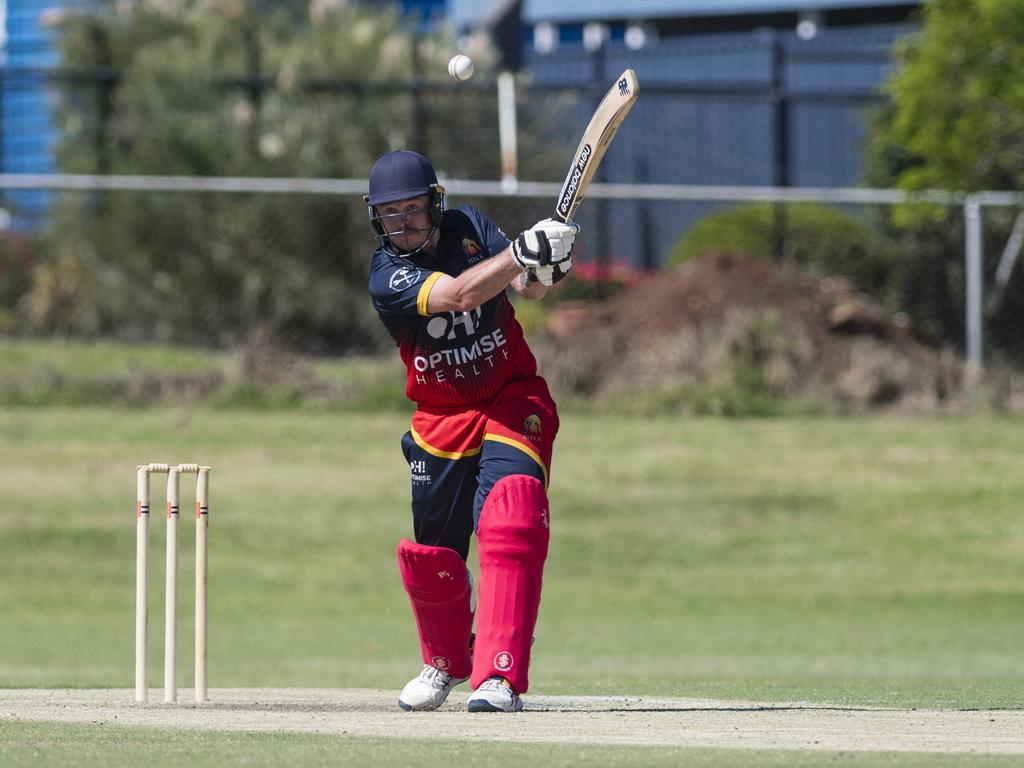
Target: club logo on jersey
471	247
532	427
503	661
403	278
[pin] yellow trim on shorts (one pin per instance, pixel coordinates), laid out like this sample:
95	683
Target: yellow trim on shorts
437	451
424	294
524	448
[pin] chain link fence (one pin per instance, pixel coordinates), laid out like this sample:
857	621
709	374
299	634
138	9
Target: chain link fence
181	259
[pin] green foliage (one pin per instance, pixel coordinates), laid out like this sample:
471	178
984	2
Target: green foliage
819	238
763	342
192	96
956	122
958	95
235	89
16	261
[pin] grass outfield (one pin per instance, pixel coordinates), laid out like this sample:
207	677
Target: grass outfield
866	562
67	745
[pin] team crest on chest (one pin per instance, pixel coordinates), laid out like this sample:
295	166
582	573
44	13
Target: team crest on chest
532	426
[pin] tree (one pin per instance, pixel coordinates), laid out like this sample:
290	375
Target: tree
237	88
955	122
959	97
822	239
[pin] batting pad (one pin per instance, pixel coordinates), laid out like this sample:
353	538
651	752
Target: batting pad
512	542
439	589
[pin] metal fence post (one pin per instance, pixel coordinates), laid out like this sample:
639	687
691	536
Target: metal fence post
973	268
507	136
780	153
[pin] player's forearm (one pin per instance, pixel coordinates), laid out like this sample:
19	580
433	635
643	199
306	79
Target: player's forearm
527	288
476	285
481	283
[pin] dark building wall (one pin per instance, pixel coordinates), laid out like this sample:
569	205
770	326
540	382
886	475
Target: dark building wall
706	116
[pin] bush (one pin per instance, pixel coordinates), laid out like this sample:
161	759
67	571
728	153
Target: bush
818	238
590	280
16	262
953	120
237	89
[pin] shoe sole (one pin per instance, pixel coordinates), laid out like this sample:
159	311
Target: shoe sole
421	708
410	708
482	705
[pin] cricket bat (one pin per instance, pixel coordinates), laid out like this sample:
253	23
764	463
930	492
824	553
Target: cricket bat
599	134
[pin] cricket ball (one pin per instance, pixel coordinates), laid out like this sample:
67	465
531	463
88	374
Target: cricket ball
460	67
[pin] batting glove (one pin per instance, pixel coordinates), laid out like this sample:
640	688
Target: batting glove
551	274
546	243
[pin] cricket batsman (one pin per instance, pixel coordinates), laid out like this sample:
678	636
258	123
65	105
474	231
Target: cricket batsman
479	447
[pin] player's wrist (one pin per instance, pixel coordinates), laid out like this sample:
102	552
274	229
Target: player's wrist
515	260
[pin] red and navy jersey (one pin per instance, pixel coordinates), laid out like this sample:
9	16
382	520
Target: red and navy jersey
452	358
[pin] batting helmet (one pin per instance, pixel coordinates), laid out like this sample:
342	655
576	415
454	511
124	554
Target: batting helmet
401	175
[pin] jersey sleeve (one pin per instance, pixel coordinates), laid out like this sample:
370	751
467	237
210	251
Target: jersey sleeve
399	287
495	241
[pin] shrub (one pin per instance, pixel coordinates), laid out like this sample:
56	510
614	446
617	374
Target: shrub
16	263
817	237
591	280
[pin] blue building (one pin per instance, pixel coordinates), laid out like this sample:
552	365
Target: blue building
27	133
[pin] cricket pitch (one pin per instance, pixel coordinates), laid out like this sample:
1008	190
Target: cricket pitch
607	720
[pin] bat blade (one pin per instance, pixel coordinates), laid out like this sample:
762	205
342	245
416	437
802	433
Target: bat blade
599	134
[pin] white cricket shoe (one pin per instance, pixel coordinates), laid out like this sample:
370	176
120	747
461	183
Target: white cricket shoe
495	695
429	690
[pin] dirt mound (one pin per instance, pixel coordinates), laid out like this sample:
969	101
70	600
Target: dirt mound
733	324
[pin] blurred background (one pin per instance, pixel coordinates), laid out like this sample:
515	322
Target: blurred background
814	206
